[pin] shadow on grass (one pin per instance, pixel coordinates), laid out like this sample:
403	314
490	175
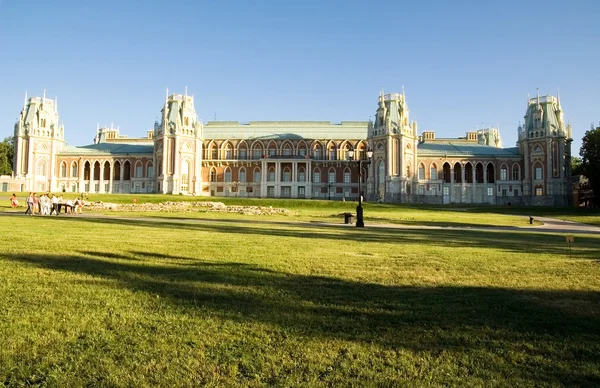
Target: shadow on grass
554	334
506	239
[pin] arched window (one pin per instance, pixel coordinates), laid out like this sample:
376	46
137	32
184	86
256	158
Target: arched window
347	149
468	172
503	172
302	149
332	152
331	176
106	172
446	176
287	174
301	175
257	175
317	152
74	170
538	171
433	172
149	170
490	173
271	174
227	174
214	152
421	171
242	173
116	172
213	175
516	172
63	169
479	173
185	167
228	152
126	171
272	149
317	176
457	173
347	175
243	151
380	173
287	149
139	169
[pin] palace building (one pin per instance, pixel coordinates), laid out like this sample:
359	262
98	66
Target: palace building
300	159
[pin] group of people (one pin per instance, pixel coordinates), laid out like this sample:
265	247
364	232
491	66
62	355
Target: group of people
48	204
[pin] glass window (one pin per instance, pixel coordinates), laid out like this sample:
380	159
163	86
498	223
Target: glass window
332	154
287	151
272	152
213	175
257	153
302	152
490	191
539	173
243	176
433	173
347	176
74	171
516	193
228	175
271	176
256	176
503	174
63	170
228	154
301	191
515	173
138	171
421	172
243	153
504	192
41	169
317	177
150	171
286	175
301	176
331	177
539	191
317	153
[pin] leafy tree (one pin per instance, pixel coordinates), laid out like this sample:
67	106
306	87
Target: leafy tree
590	154
576	166
7	152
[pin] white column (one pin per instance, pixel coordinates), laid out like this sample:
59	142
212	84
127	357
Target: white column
101	178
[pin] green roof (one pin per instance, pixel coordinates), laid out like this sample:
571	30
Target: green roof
109	149
464	149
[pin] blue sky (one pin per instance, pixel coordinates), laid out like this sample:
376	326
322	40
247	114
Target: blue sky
463	64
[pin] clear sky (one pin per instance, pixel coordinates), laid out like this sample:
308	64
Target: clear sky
462	64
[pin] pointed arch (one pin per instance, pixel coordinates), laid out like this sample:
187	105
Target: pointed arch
331	150
316	175
96	170
479	172
242	175
331	176
317	150
446	173
301	174
41	167
421	171
227	174
271	174
286	174
490	173
503	171
138	170
127	170
226	150
63	169
258	149
106	171
287	148
380	173
212	174
212	151
345	148
433	171
347	175
242	150
360	150
468	172
302	148
149	169
272	148
74	169
516	172
116	171
256	175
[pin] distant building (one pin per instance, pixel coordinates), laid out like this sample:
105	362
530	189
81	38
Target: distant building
300	159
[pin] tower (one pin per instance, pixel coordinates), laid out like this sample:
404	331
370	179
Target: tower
545	143
38	138
394	143
178	146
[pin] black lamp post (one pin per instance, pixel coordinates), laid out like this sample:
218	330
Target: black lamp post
360	223
329	190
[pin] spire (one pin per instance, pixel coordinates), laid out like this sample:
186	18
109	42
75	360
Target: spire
558	99
44	96
167	96
56	104
186	92
403	92
538	95
25	104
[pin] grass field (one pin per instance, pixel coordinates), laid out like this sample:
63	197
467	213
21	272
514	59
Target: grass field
257	301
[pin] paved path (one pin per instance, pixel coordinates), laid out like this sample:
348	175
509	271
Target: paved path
551	225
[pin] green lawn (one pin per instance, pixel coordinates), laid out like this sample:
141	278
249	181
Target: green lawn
226	301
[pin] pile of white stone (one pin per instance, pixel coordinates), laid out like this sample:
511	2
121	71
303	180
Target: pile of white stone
204	206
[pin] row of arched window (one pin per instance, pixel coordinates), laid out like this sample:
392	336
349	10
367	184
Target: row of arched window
254	175
257	150
141	170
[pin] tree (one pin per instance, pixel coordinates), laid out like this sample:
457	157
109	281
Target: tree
7	152
590	157
576	166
